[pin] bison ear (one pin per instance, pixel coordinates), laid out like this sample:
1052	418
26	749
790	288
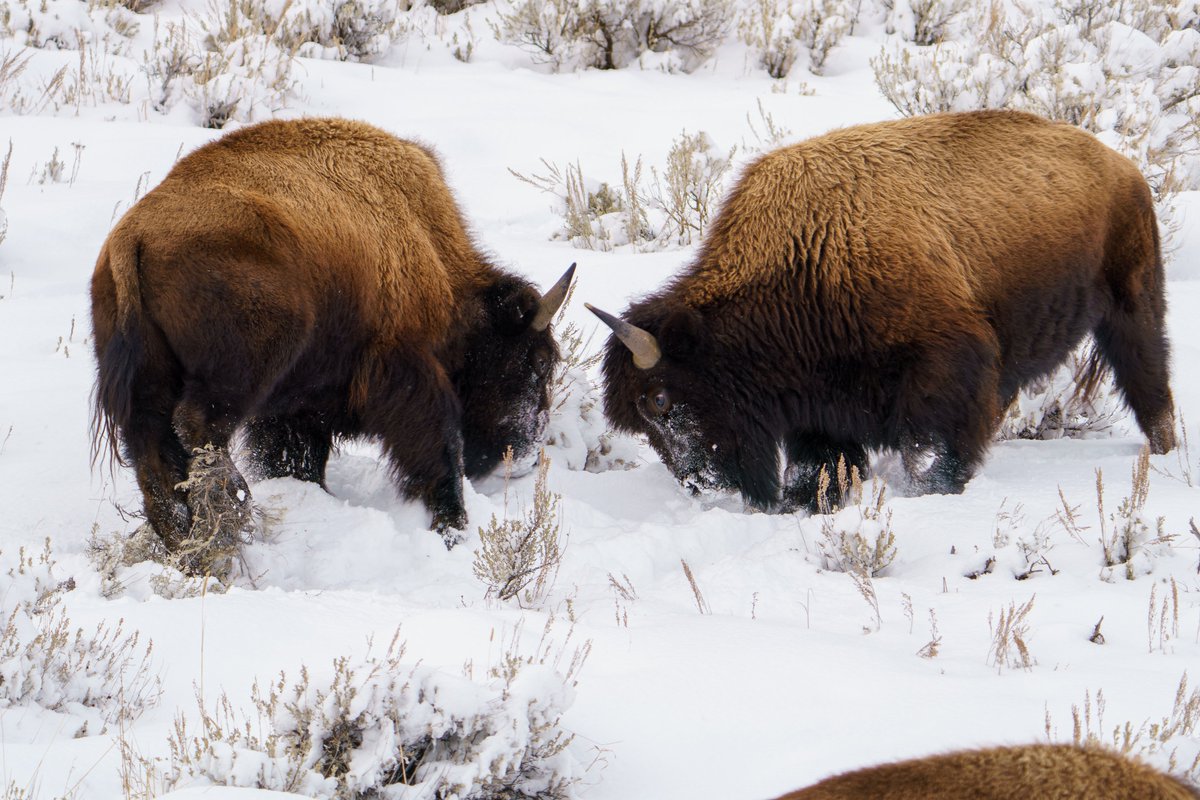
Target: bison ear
513	305
682	332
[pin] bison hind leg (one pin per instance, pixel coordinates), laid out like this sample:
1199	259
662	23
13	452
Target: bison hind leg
221	514
819	472
1134	345
289	447
218	497
1131	335
160	463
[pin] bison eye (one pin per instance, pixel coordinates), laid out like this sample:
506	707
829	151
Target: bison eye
542	363
659	402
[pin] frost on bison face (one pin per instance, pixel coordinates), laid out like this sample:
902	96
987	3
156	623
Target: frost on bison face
893	286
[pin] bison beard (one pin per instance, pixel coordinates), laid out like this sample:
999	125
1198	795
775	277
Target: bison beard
893	286
301	281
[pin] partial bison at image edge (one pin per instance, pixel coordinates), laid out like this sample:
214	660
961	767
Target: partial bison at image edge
300	281
1023	772
892	286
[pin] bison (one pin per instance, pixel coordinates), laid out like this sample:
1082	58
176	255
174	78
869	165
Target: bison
1058	772
892	286
303	281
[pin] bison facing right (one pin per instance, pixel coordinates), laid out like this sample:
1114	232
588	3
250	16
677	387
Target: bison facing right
304	281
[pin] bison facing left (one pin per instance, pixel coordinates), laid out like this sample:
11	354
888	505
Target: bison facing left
893	286
305	280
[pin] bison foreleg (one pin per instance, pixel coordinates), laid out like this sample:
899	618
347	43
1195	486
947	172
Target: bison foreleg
438	482
948	473
957	449
445	502
809	457
414	408
949	406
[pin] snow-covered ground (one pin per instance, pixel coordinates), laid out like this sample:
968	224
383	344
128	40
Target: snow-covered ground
789	675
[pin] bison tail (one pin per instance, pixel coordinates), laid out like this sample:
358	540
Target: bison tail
119	345
112	407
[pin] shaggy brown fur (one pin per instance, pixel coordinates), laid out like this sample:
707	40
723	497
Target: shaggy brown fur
310	279
893	286
1032	772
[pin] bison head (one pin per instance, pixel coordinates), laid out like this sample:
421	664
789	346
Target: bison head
669	378
504	382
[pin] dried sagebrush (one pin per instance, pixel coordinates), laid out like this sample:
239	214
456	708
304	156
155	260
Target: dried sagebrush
519	557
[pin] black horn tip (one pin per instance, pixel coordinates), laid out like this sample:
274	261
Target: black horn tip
567	276
553	300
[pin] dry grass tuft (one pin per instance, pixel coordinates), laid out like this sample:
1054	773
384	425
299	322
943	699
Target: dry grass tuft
519	558
856	537
933	646
46	661
1162	619
613	33
581	208
670	209
379	727
4	173
1075	401
1010	634
701	603
109	554
1126	534
690	186
222	516
623	595
1171	736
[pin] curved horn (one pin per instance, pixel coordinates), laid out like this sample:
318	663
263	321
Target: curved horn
552	301
641	343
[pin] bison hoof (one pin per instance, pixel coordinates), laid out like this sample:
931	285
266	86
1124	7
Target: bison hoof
1162	440
795	503
450	524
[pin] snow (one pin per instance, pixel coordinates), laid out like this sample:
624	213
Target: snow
790	675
